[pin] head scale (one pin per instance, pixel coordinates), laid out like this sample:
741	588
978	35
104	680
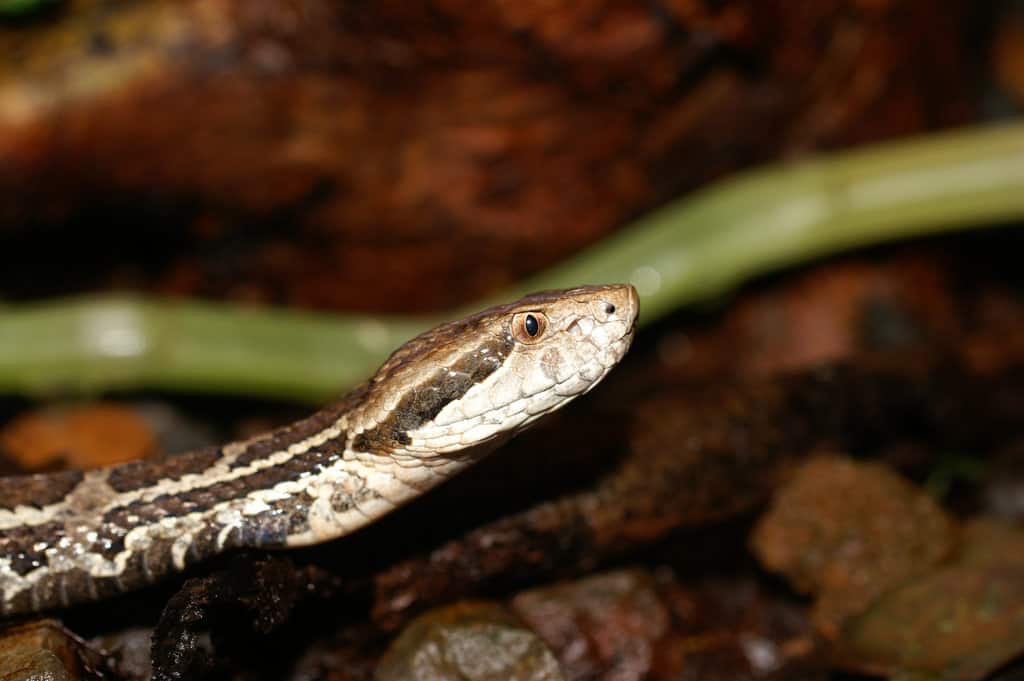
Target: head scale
466	383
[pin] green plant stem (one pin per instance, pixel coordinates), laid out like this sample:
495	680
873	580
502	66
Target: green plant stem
18	8
712	241
692	249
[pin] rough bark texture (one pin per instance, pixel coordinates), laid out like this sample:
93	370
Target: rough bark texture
405	156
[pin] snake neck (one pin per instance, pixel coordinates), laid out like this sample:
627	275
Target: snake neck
439	403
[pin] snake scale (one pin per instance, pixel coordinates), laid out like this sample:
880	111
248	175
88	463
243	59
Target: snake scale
439	403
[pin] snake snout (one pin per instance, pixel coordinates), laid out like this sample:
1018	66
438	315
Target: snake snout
618	303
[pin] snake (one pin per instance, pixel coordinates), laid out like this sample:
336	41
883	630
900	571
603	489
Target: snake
440	402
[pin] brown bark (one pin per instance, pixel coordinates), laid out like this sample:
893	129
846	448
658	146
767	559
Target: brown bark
407	156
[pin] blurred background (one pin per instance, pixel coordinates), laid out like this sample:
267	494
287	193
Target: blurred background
811	465
389	157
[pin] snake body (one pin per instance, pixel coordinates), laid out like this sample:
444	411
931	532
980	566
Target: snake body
439	403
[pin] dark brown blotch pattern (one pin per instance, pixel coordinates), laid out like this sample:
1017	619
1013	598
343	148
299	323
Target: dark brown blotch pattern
200	499
269	528
141	474
37	490
426	400
19	545
288	435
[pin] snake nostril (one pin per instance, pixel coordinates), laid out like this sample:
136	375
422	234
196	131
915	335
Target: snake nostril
609	308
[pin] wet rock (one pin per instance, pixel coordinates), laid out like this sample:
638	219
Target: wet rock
735	628
604	626
468	642
639	625
848	532
961	621
43	651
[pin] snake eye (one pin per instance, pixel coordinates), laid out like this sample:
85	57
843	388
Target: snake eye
528	327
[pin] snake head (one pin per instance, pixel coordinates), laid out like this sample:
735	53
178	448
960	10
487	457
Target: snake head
470	382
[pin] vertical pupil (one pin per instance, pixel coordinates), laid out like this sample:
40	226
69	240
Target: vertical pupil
532	327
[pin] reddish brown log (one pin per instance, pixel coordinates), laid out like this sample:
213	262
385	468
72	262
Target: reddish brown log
407	156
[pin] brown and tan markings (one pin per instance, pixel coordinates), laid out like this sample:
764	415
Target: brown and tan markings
438	404
36	491
426	400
